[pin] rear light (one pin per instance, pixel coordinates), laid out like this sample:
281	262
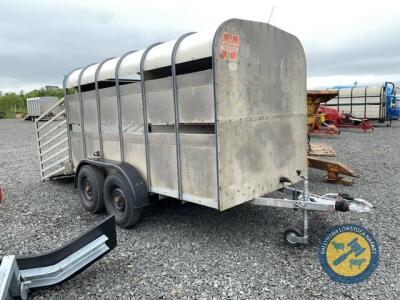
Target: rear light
1	194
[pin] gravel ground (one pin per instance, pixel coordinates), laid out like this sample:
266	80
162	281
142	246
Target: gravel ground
189	251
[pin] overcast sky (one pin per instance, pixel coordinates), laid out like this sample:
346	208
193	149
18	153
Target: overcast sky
344	41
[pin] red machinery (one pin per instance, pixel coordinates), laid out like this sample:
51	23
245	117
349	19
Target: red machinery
315	121
1	194
344	120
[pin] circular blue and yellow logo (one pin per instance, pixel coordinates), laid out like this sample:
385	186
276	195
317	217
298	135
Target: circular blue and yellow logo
349	253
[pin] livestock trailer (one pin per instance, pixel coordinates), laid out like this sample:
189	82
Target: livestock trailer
378	103
39	105
217	119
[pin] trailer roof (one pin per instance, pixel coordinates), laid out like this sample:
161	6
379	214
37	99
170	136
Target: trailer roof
193	47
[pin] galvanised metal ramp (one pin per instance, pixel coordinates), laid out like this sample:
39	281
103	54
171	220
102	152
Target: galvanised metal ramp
20	274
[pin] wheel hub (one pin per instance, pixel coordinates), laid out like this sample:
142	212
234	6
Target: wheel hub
292	238
119	200
88	189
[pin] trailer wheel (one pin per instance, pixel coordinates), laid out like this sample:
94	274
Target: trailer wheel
119	200
90	187
291	236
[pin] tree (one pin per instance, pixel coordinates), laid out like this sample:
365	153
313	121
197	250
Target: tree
12	102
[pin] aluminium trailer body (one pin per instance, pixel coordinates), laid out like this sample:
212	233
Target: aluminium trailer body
217	119
241	121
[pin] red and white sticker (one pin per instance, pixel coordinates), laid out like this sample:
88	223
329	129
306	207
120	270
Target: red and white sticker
229	46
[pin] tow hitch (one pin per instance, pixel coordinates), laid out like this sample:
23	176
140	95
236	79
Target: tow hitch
307	202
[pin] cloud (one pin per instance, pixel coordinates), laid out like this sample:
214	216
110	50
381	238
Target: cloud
378	54
42	40
42	44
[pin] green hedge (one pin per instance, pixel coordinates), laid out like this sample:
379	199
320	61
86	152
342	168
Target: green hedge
12	102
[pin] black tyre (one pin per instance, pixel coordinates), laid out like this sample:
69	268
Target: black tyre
119	201
290	237
90	187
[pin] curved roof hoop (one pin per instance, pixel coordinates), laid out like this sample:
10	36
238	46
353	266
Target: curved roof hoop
176	111
214	47
144	107
67	111
98	108
119	108
82	121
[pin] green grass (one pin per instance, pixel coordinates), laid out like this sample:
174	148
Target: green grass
7	114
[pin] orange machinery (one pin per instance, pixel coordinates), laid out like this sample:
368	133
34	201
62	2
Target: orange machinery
316	123
315	120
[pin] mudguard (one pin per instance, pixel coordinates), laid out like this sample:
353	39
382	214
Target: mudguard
135	180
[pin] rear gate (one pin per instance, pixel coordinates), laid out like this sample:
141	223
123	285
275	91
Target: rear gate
52	140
